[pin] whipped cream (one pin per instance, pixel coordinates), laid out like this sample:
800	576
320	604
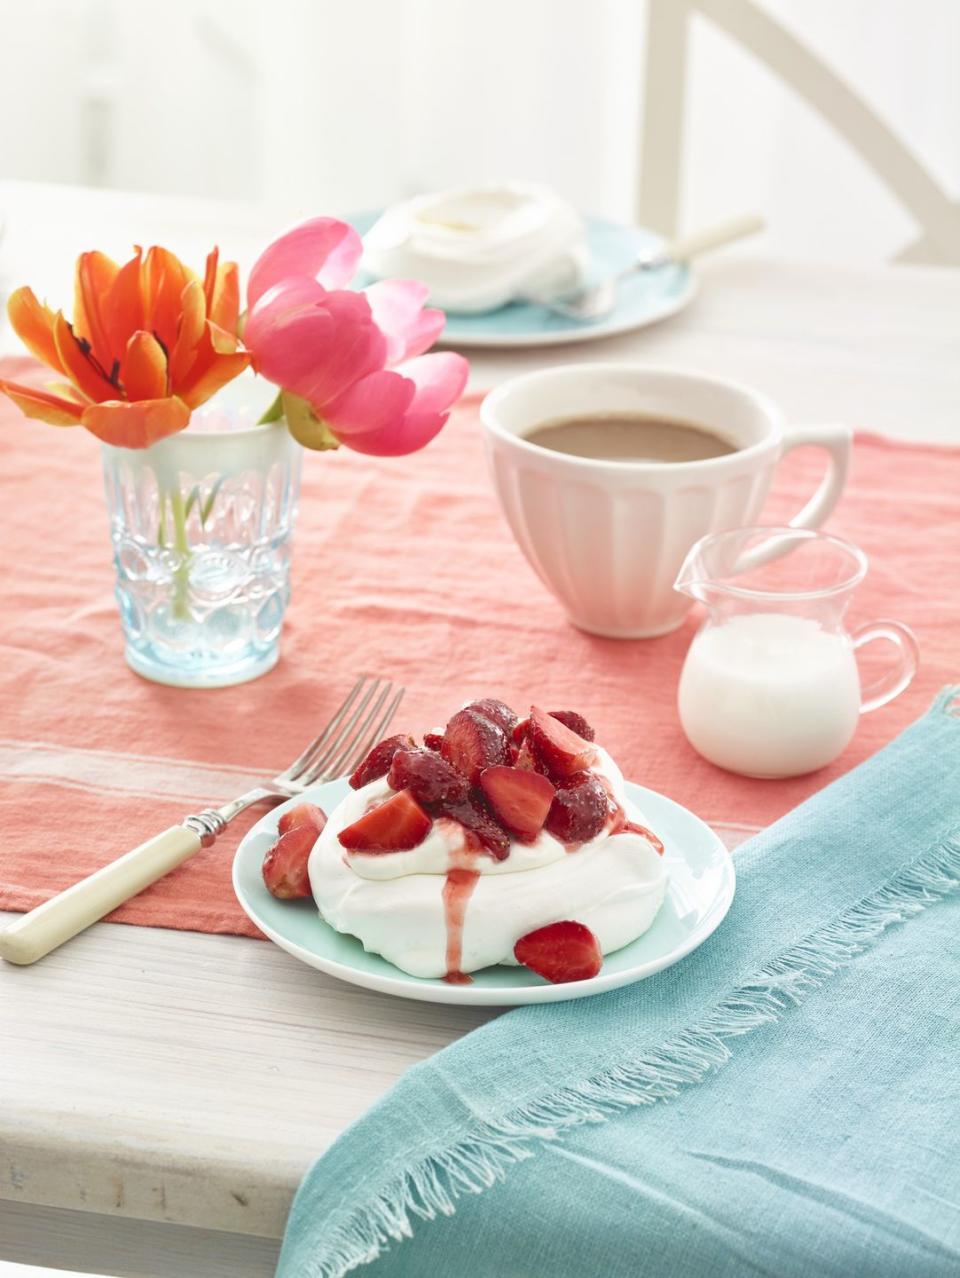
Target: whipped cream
395	904
477	248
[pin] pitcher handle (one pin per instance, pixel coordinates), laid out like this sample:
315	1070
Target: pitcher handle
837	441
892	683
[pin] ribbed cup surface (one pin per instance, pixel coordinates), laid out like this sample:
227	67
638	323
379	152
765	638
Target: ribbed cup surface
610	550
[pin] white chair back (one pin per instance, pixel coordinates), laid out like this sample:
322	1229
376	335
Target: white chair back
665	83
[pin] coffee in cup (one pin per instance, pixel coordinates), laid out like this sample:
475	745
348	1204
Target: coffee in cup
631	437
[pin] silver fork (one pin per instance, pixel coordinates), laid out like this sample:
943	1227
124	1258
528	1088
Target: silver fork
598	300
338	749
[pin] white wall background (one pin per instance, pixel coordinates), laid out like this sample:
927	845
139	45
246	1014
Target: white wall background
335	105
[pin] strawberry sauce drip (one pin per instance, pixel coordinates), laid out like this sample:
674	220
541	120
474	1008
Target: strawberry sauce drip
461	880
620	825
631	827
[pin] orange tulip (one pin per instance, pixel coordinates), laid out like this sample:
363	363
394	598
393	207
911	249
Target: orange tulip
149	342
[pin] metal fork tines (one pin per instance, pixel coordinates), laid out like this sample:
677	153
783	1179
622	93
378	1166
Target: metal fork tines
348	737
352	732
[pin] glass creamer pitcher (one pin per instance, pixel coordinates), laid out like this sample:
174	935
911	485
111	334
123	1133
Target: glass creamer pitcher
771	685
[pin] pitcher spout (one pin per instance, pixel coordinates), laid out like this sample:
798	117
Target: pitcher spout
693	579
773	568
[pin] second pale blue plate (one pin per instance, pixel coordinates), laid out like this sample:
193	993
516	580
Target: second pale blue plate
644	298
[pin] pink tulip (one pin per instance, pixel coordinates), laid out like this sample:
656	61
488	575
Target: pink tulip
357	358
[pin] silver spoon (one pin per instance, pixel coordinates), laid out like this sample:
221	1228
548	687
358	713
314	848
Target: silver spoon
598	300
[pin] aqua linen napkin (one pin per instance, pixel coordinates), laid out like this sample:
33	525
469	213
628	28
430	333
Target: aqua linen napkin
784	1102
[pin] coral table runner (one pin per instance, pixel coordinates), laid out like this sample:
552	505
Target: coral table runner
402	567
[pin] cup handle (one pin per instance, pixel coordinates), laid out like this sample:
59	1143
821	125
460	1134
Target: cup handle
891	684
837	441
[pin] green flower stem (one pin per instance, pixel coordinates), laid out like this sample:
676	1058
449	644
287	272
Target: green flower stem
181	604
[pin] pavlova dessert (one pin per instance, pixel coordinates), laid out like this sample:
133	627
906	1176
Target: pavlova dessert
499	840
477	248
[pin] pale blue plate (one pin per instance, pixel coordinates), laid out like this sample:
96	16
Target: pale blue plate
699	894
644	297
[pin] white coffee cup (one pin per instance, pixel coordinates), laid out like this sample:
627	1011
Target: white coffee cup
608	537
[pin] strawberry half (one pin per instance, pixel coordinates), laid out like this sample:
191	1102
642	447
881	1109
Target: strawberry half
580	809
560	952
559	751
483	833
433	740
394	826
575	722
303	814
428	777
472	743
520	799
496	711
377	763
285	865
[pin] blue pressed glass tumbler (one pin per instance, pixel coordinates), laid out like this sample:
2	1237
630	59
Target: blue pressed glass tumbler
201	525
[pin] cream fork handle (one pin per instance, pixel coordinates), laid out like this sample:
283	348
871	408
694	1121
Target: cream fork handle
735	228
69	912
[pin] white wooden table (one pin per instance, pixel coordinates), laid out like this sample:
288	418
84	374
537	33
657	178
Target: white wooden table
161	1093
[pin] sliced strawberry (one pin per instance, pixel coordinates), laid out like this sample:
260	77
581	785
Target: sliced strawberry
394	826
472	743
579	810
559	751
523	757
433	740
377	763
303	814
496	711
285	865
481	828
520	799
569	718
428	777
560	952
575	722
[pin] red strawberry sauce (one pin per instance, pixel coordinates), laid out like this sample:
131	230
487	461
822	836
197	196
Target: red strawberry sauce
620	825
460	882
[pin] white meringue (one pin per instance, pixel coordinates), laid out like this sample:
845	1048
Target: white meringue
394	902
477	248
